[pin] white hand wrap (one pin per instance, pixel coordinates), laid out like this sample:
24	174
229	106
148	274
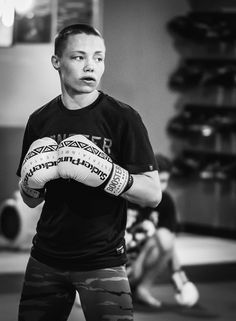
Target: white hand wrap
187	293
118	180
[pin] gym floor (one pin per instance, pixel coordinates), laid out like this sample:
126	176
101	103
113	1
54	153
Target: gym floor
210	262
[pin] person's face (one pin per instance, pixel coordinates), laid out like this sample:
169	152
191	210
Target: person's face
164	180
81	65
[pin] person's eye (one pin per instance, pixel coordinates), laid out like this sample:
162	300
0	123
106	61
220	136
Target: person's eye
79	58
99	59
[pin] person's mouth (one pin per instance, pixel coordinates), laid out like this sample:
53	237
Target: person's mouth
88	80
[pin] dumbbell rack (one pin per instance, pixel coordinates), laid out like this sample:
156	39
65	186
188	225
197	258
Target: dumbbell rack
203	130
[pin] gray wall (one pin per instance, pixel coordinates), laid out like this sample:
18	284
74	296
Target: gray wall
140	59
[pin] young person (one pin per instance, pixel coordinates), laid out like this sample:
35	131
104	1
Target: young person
151	247
85	154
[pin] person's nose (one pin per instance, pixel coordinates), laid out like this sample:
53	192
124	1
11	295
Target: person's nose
88	67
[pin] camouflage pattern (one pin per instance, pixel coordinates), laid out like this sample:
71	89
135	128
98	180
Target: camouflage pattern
48	294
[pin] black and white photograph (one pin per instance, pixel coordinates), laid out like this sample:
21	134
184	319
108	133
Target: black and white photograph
118	160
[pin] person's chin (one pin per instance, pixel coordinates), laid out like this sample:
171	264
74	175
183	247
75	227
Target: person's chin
89	88
86	90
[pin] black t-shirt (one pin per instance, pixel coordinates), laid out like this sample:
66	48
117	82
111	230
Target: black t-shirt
82	228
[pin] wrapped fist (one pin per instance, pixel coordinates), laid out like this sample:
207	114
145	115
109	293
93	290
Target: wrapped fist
40	163
188	296
186	292
82	160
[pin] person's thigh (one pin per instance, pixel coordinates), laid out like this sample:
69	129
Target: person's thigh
105	294
46	295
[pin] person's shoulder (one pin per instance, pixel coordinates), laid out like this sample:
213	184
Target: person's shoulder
120	107
44	108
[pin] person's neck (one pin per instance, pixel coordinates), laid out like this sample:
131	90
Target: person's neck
79	101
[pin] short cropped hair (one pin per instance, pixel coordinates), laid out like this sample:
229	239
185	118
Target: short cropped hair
164	163
63	35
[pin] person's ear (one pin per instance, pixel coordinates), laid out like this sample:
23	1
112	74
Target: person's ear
55	62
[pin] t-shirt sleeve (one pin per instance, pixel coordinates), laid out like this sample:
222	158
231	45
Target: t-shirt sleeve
136	150
167	212
28	138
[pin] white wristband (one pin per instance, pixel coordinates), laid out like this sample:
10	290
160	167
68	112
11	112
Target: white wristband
118	180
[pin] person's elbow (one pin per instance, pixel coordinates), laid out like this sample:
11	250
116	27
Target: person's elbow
154	197
154	194
146	190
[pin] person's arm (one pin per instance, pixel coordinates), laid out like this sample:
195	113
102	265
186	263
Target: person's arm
30	200
145	191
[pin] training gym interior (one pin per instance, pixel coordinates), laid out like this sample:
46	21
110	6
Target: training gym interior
175	63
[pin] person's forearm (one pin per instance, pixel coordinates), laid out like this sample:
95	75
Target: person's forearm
145	191
30	201
175	262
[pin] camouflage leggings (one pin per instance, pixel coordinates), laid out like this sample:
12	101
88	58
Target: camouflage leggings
48	294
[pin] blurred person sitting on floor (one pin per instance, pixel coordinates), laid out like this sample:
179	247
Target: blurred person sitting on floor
151	247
